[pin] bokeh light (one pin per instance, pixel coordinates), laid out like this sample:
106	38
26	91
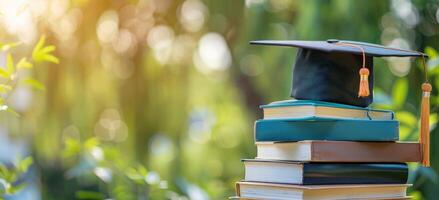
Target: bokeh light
213	54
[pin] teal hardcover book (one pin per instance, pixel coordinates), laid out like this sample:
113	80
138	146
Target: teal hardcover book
314	128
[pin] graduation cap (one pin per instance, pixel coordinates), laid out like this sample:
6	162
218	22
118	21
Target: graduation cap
328	70
341	71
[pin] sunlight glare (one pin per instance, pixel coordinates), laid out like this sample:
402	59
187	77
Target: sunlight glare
213	54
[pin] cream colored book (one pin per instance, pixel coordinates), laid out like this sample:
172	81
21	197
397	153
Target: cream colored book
396	198
270	191
306	109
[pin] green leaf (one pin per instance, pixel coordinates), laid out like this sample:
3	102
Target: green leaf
90	143
34	84
38	46
142	170
48	49
12	111
42	53
137	174
72	147
4	186
50	58
431	52
415	195
4	73
7	46
24	164
10	63
9	177
4	171
24	63
4	107
16	188
133	174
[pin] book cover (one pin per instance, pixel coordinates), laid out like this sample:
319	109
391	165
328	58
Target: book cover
314	128
288	172
309	108
340	151
256	190
394	198
295	102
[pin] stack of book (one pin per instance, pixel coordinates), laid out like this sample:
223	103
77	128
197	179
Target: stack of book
321	150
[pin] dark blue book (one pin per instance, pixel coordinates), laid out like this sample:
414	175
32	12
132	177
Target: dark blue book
289	172
315	128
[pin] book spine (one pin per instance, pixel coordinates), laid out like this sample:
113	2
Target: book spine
237	189
346	173
342	130
336	151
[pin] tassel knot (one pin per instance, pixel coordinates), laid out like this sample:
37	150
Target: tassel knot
426	87
363	90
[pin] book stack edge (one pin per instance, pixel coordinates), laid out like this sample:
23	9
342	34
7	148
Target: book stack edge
320	150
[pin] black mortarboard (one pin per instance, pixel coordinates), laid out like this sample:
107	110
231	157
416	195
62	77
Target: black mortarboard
328	70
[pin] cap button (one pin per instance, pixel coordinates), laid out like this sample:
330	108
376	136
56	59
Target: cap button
332	41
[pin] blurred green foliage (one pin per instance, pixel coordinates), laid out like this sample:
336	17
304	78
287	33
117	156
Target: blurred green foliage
155	99
122	179
10	176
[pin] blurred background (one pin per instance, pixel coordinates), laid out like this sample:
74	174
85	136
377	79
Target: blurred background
156	99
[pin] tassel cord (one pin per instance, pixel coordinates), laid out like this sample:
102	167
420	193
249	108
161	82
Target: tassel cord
363	88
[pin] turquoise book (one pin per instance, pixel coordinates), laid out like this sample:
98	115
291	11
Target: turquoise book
317	128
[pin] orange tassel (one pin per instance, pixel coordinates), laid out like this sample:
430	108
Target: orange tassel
424	137
363	90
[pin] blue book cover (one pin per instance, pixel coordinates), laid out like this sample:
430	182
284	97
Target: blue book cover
355	173
314	128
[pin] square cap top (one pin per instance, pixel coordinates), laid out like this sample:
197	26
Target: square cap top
330	46
329	70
